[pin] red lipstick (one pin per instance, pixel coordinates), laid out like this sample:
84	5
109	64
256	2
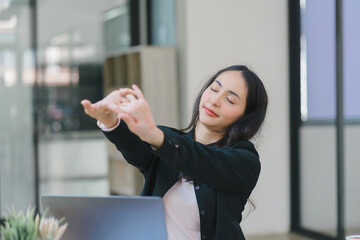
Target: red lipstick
210	112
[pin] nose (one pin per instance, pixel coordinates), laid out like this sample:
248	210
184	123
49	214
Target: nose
215	100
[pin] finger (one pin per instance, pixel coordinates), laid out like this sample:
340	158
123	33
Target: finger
122	109
127	119
127	91
114	108
130	97
87	105
138	92
124	99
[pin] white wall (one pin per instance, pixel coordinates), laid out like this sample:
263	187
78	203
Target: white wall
212	34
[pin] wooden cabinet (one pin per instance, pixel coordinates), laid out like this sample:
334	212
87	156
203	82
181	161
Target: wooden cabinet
153	69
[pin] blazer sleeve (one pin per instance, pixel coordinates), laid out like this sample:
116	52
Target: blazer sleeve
235	168
135	151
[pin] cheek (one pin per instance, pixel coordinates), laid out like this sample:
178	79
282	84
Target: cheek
231	115
243	107
204	97
239	113
235	114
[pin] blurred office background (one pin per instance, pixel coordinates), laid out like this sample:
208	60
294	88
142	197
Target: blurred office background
53	54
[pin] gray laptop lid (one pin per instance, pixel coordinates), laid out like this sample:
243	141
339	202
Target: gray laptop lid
108	218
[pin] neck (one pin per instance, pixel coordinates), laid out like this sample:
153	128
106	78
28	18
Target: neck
205	135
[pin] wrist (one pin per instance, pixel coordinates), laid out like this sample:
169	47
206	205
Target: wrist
110	125
110	122
155	137
107	129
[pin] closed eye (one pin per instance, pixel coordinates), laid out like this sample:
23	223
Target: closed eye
229	101
213	90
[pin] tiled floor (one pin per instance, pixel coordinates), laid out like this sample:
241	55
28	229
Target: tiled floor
290	236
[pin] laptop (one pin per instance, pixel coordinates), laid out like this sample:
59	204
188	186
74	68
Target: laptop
108	218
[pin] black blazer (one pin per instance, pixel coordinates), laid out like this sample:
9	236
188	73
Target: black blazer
223	176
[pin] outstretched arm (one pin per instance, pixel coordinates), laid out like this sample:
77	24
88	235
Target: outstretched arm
137	115
234	168
105	111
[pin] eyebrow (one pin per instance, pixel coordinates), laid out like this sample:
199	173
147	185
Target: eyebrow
229	90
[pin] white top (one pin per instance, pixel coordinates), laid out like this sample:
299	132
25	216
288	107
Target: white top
105	129
181	209
182	212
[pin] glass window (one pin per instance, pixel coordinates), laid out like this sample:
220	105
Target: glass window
319	146
318	207
318	62
72	150
163	22
70	59
117	30
17	175
351	48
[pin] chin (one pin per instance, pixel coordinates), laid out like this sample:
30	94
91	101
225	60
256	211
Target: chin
211	125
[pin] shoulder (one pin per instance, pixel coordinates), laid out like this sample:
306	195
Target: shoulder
246	151
246	145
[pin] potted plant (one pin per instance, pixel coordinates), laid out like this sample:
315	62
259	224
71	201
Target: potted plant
27	226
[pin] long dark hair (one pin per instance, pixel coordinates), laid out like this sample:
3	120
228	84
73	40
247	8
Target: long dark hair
256	104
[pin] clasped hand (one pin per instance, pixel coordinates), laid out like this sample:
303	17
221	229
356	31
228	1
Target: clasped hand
129	105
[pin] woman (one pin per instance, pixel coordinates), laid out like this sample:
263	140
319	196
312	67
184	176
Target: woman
206	175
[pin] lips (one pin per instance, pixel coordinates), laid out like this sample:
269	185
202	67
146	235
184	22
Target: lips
210	112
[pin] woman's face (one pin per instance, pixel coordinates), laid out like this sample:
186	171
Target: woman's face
223	102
